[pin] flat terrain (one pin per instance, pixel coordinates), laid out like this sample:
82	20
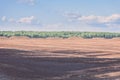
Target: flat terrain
22	58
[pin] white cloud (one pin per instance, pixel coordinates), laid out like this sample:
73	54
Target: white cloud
27	20
90	19
4	18
30	2
30	20
112	18
101	19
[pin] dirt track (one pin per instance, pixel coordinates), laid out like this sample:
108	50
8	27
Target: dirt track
59	59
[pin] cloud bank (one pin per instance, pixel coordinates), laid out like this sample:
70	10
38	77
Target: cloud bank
109	21
77	23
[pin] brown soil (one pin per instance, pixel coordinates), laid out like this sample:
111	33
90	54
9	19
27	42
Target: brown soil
60	59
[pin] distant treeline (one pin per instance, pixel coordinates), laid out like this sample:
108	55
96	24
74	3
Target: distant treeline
62	34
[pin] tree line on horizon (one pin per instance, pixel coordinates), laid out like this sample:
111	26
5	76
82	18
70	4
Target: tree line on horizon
61	34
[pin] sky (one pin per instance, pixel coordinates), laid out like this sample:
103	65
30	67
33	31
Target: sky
60	15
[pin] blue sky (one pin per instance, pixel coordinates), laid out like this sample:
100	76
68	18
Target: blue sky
60	15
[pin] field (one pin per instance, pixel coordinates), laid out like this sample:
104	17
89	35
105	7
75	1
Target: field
23	58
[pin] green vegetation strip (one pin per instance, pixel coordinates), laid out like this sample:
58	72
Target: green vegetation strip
62	34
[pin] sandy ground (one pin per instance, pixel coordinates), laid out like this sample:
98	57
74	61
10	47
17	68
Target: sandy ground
59	59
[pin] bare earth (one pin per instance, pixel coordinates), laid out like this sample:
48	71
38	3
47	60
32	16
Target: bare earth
59	59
